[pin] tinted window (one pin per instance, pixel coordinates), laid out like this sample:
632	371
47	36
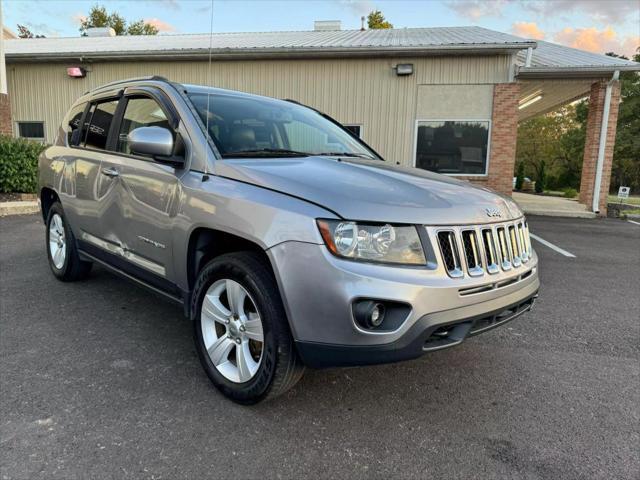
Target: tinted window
31	130
98	130
140	112
73	123
455	147
240	124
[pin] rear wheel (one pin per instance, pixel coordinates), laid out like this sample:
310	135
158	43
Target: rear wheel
240	329
62	253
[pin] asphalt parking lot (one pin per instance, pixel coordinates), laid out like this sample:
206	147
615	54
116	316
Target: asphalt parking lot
100	380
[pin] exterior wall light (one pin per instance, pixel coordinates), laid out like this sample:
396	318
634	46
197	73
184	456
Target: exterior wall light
76	72
403	69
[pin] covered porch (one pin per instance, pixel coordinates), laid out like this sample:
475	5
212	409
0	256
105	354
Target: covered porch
551	76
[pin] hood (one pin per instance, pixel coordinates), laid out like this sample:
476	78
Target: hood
372	190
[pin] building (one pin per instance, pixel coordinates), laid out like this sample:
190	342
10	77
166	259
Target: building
444	99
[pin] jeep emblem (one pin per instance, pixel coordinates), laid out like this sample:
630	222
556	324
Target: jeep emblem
493	212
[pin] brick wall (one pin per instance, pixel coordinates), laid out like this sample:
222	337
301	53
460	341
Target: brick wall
504	133
592	144
5	115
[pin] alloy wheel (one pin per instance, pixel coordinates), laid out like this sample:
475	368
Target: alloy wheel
57	241
232	330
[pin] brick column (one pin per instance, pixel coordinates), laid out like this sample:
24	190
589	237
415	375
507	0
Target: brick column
504	134
5	115
592	144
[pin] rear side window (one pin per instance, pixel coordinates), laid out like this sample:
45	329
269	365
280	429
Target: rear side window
99	121
140	112
74	117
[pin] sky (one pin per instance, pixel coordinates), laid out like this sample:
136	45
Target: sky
595	25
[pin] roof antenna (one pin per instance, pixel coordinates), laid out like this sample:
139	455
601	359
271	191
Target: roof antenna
362	29
209	81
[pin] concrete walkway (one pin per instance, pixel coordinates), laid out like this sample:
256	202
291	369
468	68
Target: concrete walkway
551	206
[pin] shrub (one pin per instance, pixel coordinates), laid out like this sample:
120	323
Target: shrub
19	165
570	193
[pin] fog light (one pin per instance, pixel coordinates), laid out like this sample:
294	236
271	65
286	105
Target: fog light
377	315
369	314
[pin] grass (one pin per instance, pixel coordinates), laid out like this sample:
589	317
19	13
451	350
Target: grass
633	211
632	200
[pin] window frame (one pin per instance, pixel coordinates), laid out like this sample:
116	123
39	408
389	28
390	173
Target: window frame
123	97
489	133
33	139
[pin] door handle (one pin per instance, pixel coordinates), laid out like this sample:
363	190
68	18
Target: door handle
110	172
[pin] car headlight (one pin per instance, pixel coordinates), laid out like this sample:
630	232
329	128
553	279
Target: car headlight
373	243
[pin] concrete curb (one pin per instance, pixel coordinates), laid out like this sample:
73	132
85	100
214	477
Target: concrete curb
18	208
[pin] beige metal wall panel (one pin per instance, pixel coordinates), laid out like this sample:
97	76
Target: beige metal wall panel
359	91
454	102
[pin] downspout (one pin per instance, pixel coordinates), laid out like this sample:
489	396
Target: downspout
527	61
604	126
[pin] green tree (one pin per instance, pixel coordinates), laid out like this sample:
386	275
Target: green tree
626	153
99	18
376	21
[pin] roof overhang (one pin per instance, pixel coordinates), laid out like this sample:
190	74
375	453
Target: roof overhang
269	53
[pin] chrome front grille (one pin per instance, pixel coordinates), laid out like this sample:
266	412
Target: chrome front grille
484	249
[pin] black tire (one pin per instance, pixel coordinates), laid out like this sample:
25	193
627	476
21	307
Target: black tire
72	268
280	367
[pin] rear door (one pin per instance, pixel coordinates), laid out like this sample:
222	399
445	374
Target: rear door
86	153
141	194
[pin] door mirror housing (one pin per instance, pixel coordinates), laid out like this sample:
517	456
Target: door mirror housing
156	142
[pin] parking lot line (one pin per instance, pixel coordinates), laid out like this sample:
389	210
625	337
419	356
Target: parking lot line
552	246
631	221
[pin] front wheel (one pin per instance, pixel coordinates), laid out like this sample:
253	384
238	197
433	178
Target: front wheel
62	253
241	331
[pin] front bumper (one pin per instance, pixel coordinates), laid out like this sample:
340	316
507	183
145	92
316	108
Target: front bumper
318	290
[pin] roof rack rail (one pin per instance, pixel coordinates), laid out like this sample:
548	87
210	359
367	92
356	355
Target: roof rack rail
127	80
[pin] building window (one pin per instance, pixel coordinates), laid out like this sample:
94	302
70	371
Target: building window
31	130
454	147
355	129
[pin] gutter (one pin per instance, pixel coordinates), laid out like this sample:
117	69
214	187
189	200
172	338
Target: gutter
604	126
229	53
567	72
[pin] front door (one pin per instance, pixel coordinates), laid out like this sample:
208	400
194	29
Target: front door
143	199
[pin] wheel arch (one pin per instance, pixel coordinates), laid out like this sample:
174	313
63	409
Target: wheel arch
206	243
48	197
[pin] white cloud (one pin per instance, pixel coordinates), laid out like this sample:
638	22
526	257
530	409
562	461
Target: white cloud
611	12
527	30
359	7
477	9
598	41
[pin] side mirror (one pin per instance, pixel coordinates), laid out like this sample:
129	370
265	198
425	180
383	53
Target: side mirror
152	141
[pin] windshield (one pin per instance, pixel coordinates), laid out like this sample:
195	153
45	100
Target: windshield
261	127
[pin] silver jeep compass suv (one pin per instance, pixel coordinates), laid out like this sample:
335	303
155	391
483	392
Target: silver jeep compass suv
288	241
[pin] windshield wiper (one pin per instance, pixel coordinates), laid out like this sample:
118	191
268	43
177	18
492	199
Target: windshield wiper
266	152
344	154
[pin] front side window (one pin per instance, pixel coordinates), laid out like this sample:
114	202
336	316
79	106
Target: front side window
98	123
243	126
457	147
31	130
139	112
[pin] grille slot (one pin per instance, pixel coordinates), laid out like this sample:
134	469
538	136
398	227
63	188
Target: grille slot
515	246
490	253
450	254
472	253
503	249
524	253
